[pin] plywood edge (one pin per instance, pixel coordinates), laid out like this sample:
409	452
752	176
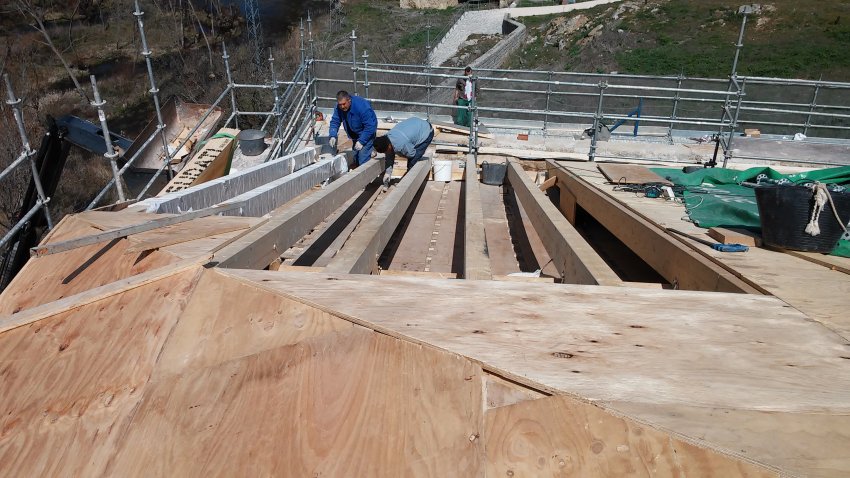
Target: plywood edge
75	301
519	379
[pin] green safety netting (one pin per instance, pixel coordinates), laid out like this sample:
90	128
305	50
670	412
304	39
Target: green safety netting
714	197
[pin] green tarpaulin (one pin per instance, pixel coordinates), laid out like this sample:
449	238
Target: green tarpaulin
714	197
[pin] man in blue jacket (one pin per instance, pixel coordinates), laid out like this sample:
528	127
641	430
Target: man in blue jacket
410	138
360	122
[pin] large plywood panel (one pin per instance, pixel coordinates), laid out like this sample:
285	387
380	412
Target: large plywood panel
348	403
228	319
51	277
623	345
560	436
71	382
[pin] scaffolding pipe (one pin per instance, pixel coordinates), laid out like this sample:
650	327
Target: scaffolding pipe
353	38
727	153
154	91
17	227
597	119
234	108
110	153
15	103
366	74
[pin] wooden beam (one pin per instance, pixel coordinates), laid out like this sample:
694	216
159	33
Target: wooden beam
674	261
576	261
551	182
476	260
134	229
530	154
75	301
359	254
260	246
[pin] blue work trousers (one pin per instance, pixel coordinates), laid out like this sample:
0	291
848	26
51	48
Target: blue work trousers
364	154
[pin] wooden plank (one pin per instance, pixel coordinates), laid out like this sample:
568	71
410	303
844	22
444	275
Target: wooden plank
514	278
49	278
354	403
261	245
530	154
208	163
835	263
630	174
575	260
549	183
43	311
476	260
500	248
734	236
359	254
561	434
343	235
447	242
72	382
190	231
539	258
429	275
744	352
673	260
157	223
453	128
567	203
411	251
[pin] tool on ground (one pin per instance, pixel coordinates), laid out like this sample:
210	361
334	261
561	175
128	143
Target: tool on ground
714	245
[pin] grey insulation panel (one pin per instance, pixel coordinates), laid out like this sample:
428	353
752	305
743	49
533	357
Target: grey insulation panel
264	199
222	189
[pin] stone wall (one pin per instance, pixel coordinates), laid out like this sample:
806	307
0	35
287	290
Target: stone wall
515	34
437	4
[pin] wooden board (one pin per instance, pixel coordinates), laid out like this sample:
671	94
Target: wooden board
262	244
359	254
672	259
630	174
500	249
208	163
530	154
815	290
411	253
189	231
72	382
453	128
215	329
560	436
476	258
575	260
48	278
734	236
743	352
352	403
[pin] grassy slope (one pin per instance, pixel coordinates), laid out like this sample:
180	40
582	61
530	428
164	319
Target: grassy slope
698	37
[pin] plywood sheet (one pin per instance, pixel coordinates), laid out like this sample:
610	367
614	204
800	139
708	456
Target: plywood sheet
51	277
187	231
630	174
560	436
816	449
612	344
215	328
351	403
71	382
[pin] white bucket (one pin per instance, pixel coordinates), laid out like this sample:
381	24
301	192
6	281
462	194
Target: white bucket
442	170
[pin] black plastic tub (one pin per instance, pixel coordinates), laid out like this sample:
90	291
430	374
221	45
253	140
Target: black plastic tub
493	173
785	210
252	142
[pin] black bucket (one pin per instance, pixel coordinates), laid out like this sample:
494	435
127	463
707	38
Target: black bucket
785	210
252	141
493	173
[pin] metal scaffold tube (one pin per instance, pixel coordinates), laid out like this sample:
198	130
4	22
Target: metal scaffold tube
16	104
234	110
110	153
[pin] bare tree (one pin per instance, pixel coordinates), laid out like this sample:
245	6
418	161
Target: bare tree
29	9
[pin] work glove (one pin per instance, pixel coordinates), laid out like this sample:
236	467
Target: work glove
358	146
332	142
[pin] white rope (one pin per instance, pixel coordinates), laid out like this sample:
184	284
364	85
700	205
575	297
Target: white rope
821	197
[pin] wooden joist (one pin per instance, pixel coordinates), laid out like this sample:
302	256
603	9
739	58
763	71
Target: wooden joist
259	247
574	258
673	260
476	260
359	254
